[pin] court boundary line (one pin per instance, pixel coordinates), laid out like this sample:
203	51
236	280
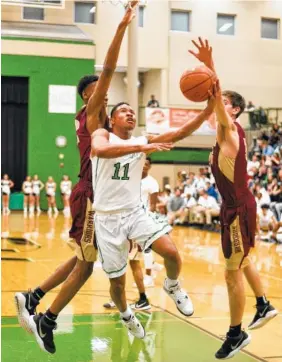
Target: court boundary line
213	335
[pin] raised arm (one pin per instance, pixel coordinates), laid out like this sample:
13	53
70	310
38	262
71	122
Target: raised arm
96	101
204	55
101	147
188	128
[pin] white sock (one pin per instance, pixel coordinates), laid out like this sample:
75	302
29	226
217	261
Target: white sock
25	209
126	314
148	260
50	210
38	208
55	210
171	282
31	209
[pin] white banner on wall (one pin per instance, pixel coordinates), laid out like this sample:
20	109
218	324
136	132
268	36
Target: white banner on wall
62	99
160	120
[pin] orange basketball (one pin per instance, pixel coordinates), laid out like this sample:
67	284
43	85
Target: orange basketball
196	83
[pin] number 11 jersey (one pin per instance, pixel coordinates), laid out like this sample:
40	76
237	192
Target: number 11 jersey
117	181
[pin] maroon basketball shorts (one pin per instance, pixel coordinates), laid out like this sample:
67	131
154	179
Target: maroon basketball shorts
238	227
82	229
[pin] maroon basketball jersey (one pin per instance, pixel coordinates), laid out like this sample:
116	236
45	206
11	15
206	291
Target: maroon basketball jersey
233	193
84	145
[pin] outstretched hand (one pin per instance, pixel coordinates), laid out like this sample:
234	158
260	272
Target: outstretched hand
214	94
204	54
130	12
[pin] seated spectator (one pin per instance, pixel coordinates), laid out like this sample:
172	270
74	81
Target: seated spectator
189	188
254	163
274	138
211	190
189	203
163	199
201	183
208	207
207	172
153	103
267	150
267	222
193	179
261	195
175	207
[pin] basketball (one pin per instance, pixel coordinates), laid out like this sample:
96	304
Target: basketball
196	83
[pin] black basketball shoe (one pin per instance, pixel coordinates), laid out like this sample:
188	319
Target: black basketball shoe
43	332
232	345
263	315
26	306
141	304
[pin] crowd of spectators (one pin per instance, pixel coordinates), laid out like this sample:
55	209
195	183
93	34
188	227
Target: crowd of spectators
195	199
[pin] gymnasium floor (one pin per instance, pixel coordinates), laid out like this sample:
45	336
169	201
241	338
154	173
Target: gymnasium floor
89	333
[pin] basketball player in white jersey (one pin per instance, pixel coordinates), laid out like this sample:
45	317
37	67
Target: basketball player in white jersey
117	163
28	196
66	192
50	188
37	186
6	185
149	192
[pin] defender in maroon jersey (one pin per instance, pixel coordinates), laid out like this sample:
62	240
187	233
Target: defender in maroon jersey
77	270
238	213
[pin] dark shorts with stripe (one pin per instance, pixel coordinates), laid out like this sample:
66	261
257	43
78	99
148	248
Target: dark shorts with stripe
82	229
238	227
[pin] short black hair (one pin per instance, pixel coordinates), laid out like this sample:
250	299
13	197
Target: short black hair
265	206
236	100
84	82
116	107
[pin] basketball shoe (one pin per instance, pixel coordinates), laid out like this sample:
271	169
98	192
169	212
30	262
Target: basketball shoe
263	315
232	345
141	304
134	326
180	297
26	306
109	305
43	332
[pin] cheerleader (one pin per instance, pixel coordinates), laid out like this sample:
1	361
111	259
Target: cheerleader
65	193
6	185
28	197
37	186
50	188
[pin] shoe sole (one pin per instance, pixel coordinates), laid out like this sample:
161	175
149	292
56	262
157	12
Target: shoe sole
36	335
262	321
106	307
23	314
244	344
147	307
186	315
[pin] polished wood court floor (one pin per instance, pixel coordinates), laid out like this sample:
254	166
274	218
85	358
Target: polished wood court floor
33	247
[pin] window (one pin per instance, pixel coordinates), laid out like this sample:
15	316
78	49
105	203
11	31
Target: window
82	12
180	20
269	28
141	16
33	13
225	24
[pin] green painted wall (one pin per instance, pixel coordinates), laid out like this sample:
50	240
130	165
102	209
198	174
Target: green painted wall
44	127
182	156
